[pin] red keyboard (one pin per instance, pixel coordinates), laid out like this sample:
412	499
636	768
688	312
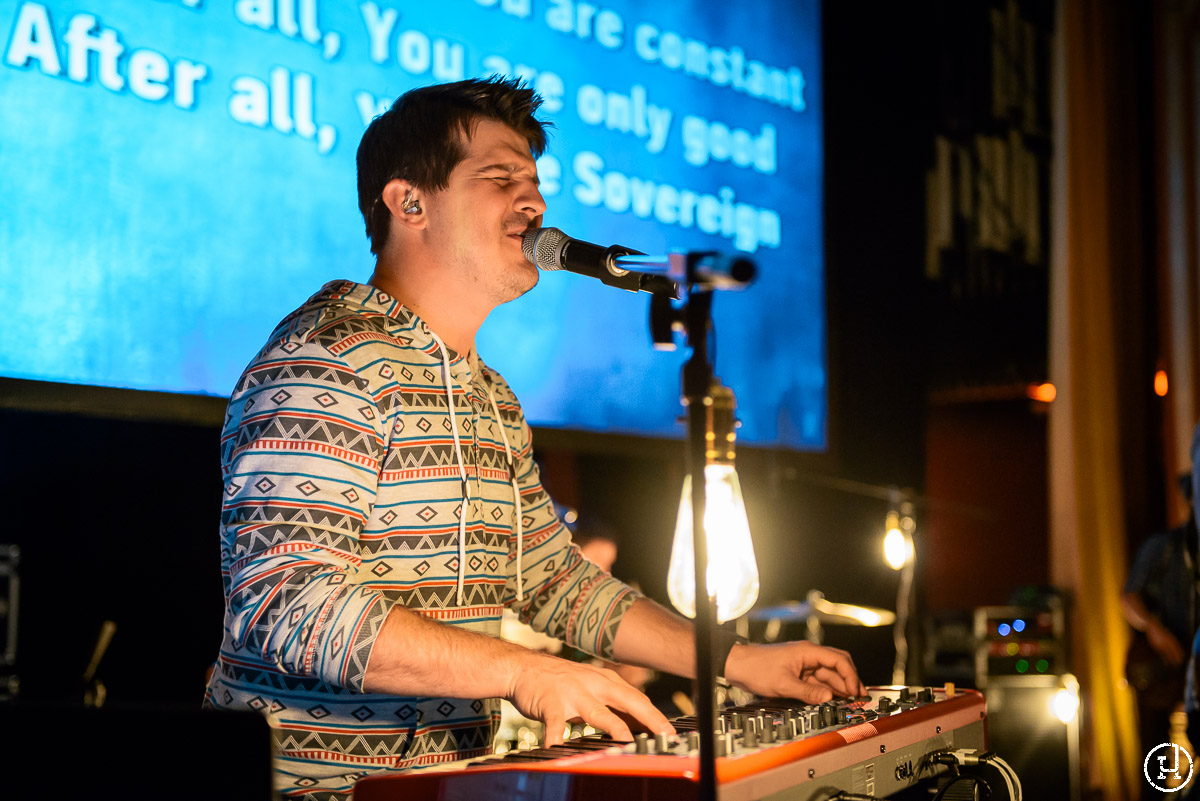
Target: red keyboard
768	748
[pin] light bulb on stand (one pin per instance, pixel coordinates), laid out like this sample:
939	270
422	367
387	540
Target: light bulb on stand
897	544
900	554
732	573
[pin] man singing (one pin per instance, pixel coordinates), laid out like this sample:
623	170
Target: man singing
382	505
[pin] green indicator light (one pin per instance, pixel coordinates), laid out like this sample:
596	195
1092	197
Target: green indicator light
1022	666
1042	666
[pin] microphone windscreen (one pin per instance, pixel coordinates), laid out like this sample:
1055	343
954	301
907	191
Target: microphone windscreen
543	247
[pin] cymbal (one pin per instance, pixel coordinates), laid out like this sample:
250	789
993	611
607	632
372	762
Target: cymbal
827	613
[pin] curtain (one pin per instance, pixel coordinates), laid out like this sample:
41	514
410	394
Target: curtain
1097	240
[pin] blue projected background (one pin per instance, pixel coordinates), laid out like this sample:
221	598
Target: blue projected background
179	174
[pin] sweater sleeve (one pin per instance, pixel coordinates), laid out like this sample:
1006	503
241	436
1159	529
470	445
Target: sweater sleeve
300	456
566	596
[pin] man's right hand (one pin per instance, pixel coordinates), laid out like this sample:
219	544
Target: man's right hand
557	691
416	656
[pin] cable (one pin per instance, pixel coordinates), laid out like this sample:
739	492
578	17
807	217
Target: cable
946	758
1008	783
975	780
1013	794
1006	771
968	757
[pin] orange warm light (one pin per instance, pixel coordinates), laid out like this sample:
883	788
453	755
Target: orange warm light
1160	383
1044	392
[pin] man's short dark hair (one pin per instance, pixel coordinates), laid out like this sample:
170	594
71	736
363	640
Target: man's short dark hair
420	138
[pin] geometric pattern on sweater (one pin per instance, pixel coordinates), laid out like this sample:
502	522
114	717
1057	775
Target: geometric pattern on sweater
342	499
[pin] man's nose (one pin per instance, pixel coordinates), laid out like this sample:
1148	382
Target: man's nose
530	201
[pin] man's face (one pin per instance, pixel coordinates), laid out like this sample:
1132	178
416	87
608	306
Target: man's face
476	222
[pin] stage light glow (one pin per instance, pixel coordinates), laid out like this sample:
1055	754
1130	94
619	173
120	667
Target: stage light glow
864	615
1043	393
1160	383
867	617
732	570
1065	705
897	546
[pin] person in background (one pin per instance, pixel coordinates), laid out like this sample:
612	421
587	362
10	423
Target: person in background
1160	603
1191	695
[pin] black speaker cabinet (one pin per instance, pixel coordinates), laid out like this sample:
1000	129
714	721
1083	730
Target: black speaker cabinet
73	752
1025	729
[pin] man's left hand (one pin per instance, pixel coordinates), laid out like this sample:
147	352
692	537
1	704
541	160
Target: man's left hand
800	670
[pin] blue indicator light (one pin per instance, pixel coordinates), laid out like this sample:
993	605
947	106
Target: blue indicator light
1018	625
1003	629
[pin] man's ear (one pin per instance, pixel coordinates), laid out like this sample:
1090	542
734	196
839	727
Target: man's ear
404	202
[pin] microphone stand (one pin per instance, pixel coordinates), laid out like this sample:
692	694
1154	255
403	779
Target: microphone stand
697	378
697	284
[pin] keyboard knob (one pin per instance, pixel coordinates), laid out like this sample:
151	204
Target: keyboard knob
641	743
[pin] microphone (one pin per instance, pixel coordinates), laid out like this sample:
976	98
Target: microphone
551	249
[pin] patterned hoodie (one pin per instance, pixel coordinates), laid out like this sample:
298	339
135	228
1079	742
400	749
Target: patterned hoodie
345	471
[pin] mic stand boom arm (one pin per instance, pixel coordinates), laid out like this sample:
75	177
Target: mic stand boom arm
585	254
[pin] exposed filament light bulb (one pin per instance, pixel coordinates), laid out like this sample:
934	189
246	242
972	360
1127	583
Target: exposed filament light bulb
732	573
897	548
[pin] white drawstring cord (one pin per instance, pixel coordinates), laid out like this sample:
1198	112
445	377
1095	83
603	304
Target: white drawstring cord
462	470
512	477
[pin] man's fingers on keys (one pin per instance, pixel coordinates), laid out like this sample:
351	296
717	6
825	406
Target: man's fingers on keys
603	718
555	726
630	703
633	723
